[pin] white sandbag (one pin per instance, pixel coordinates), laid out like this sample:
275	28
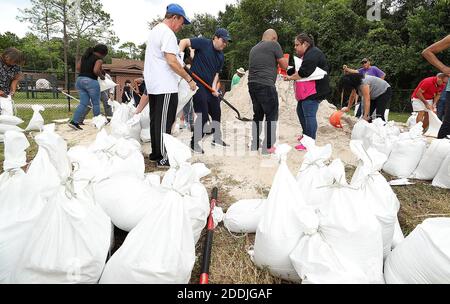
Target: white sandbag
244	215
423	257
18	208
406	153
37	121
185	179
412	120
145	135
398	235
71	235
15	155
279	229
5	128
184	94
135	127
6	106
442	178
160	250
313	175
106	84
346	247
432	159
10	120
359	130
126	160
126	208
376	191
99	121
434	125
145	117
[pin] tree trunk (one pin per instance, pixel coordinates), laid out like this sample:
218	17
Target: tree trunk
77	56
66	47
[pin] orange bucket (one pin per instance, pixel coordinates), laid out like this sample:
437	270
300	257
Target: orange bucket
335	119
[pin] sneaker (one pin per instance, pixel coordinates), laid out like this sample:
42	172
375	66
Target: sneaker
163	163
81	123
195	147
300	147
75	126
219	143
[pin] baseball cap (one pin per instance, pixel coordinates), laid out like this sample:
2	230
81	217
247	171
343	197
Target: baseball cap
223	33
177	10
364	60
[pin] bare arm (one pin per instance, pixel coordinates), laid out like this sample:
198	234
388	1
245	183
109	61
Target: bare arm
365	90
351	99
214	85
142	104
178	69
184	43
348	70
14	83
98	69
430	54
419	95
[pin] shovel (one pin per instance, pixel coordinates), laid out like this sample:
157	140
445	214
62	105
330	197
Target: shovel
220	96
204	276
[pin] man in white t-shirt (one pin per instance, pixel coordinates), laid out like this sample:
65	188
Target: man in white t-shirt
162	72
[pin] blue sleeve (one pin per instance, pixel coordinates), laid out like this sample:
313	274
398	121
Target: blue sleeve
361	71
199	43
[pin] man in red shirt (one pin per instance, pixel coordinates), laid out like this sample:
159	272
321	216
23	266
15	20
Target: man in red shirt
426	96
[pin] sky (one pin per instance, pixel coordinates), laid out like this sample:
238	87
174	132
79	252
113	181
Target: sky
130	16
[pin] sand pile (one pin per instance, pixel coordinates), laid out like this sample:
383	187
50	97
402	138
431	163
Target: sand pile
289	125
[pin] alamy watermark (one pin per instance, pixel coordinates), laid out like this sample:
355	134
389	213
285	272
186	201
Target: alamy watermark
374	11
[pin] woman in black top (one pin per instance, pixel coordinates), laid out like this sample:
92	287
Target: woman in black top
309	94
90	69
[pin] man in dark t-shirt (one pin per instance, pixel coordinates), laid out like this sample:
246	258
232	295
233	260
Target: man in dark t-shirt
264	60
207	64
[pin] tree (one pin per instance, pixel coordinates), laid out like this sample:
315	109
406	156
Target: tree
131	48
43	22
90	21
7	40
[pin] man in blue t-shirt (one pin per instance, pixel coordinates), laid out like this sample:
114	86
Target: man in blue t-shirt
207	64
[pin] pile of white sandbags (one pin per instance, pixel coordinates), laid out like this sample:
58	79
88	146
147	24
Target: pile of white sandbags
406	153
433	162
279	229
161	248
344	244
423	257
65	237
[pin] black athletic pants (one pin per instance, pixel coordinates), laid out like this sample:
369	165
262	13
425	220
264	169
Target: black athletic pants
163	111
206	104
381	103
265	103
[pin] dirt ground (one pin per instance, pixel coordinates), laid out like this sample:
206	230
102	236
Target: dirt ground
242	174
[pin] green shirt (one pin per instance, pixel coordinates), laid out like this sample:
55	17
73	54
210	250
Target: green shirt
235	80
